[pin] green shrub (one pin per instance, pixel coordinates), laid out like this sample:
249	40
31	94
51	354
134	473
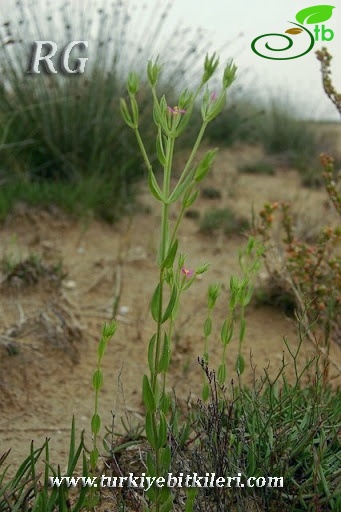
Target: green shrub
223	219
260	167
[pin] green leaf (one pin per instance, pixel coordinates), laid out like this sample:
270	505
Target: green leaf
240	364
207	327
226	331
191	494
160	149
94	457
151	465
222	373
151	435
180	188
171	304
125	113
109	329
190	198
155	303
205	165
169	259
205	392
162	437
151	349
315	14
95	424
135	110
166	457
167	506
148	395
97	379
165	355
154	187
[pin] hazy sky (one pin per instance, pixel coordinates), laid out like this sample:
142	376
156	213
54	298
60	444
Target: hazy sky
223	21
299	78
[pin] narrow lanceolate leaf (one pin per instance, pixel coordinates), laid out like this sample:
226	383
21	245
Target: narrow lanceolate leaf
151	465
315	14
188	201
180	188
154	187
151	435
125	113
160	149
205	165
135	110
166	457
162	437
226	331
167	505
95	424
165	355
97	379
171	304
155	303
151	350
169	259
240	364
148	395
94	455
207	327
222	374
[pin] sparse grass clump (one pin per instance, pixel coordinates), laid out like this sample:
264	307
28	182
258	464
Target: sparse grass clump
271	429
29	271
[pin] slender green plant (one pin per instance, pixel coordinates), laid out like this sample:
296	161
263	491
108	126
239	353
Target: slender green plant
174	278
241	290
108	332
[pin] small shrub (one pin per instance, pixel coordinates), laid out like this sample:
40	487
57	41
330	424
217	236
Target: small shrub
260	167
239	122
282	132
223	219
211	193
312	271
30	271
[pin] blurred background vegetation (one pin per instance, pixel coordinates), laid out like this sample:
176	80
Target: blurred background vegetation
62	139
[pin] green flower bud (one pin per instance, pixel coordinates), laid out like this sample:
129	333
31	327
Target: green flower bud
133	83
229	74
153	72
210	66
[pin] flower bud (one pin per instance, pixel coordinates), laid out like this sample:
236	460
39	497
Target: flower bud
153	71
229	74
210	66
133	83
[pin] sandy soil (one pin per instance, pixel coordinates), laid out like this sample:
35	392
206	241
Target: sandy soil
49	334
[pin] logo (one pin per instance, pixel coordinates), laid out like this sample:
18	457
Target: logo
314	15
64	60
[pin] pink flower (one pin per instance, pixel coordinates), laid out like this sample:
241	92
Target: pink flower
187	272
176	110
